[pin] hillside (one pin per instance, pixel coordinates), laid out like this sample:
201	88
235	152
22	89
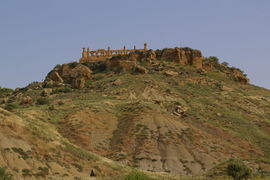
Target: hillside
169	110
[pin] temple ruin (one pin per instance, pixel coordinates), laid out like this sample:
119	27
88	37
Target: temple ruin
102	54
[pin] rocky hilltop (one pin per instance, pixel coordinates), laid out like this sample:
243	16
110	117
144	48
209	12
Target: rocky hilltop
169	111
77	74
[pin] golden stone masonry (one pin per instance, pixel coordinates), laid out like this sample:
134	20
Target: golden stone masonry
102	54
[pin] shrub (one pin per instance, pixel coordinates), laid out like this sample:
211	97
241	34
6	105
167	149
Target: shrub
11	106
238	170
60	103
225	63
73	64
51	108
5	90
4	175
62	90
135	175
212	59
42	101
97	67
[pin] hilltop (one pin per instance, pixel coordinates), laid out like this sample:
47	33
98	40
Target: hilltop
171	111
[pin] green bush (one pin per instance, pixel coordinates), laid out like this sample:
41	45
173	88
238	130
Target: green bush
72	64
4	175
43	101
11	106
4	91
212	59
96	67
238	170
135	175
62	90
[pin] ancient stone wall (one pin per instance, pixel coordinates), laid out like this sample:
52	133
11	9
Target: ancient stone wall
103	54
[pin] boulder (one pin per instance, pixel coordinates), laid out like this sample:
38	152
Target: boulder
140	69
81	71
53	75
26	100
74	73
207	66
78	83
117	82
171	73
180	111
183	56
46	92
240	77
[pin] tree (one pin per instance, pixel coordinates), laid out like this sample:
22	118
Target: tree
238	170
4	175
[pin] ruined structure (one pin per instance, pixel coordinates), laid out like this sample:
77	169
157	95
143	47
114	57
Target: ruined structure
103	54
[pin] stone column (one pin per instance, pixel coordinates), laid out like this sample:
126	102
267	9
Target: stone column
109	49
83	50
124	50
88	51
145	46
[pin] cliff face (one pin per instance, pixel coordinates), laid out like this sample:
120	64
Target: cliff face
183	56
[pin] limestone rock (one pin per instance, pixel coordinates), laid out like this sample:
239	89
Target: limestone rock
240	77
183	56
140	69
46	92
207	66
53	75
117	82
180	111
26	100
171	73
78	83
74	74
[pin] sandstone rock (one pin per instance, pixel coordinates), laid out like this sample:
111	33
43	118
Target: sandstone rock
46	92
27	100
53	75
240	77
117	82
207	66
180	111
78	83
226	88
73	73
140	69
171	73
183	56
81	71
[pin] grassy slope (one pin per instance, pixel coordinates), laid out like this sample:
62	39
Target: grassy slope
243	111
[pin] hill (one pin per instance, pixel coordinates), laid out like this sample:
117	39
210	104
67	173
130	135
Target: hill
169	110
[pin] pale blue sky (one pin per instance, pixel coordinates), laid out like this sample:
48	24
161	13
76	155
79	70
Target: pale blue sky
35	35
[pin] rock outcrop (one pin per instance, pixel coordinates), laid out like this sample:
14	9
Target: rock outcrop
74	73
240	77
183	56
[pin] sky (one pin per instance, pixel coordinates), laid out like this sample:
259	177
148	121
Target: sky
36	35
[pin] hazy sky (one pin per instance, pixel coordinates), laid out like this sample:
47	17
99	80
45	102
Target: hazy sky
36	35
